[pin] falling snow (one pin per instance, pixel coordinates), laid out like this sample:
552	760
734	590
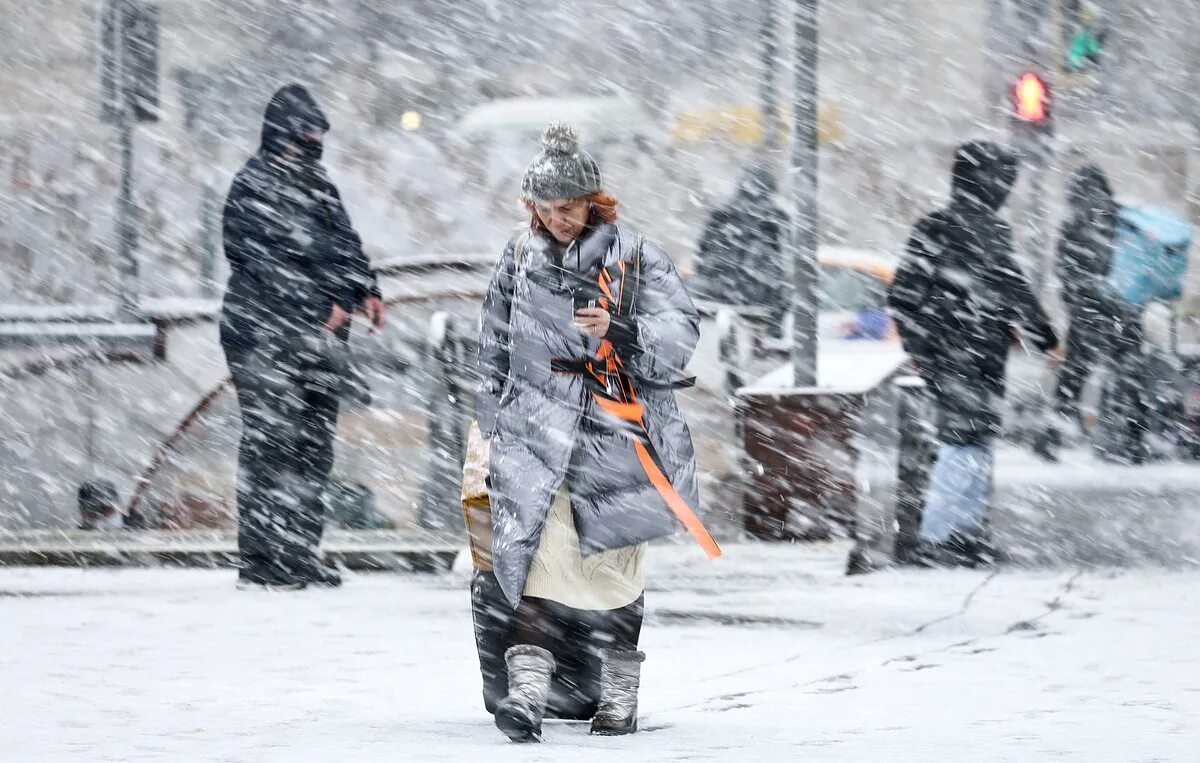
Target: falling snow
1027	309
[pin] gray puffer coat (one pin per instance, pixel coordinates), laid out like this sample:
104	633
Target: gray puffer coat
545	426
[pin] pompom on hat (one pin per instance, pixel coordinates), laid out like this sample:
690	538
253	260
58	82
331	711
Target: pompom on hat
561	170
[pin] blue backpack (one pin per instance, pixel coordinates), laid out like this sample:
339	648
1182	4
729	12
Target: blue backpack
1150	255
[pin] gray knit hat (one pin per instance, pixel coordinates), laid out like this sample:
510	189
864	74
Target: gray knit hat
562	170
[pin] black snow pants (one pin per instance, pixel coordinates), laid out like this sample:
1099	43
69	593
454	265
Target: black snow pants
1107	333
289	415
1093	337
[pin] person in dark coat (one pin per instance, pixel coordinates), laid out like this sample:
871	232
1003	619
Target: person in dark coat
297	272
1085	254
740	257
957	297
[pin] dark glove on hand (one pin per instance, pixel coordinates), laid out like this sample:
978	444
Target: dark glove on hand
1047	341
623	333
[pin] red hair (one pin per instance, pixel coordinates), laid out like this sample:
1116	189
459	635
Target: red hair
603	210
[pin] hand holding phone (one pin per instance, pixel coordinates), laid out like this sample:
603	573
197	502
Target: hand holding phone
593	321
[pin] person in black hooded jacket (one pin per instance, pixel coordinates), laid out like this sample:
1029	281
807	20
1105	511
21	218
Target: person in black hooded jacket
957	298
1103	328
297	272
740	257
1085	254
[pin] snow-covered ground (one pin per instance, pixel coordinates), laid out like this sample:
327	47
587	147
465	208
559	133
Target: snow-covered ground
766	654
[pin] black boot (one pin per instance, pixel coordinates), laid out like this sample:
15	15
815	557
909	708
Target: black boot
620	677
959	550
944	555
264	577
323	573
1046	444
519	715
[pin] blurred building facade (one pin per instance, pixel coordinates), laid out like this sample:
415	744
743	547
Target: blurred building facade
902	81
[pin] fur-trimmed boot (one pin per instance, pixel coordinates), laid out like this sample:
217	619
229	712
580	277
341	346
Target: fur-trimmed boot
620	676
519	715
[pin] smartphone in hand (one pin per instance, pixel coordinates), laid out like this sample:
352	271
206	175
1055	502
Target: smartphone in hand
580	301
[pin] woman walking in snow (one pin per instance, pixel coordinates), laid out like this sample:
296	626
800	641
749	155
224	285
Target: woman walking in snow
585	328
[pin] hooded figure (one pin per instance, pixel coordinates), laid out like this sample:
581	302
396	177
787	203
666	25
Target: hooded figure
740	257
297	270
293	253
958	293
1085	241
956	298
1085	254
572	501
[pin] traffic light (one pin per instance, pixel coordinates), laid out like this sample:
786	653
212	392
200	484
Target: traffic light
1031	99
129	60
1030	119
1087	44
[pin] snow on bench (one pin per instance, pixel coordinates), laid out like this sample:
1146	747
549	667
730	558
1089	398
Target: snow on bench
356	549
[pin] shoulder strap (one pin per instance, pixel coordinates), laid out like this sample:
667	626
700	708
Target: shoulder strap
519	251
637	271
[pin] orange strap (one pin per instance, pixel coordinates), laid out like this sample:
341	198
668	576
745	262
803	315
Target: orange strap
678	506
629	409
624	411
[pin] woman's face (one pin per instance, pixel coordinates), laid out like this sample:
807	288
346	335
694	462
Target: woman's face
564	218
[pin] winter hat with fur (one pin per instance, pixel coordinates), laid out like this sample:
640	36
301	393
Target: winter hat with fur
562	170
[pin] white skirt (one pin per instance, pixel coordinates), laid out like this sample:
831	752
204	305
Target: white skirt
608	580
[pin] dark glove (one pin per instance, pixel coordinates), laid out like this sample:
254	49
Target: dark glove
623	333
1047	340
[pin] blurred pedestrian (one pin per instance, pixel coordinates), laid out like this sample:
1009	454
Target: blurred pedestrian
740	257
579	307
297	273
1085	253
957	298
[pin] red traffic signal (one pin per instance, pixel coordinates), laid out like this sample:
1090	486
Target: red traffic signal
1031	96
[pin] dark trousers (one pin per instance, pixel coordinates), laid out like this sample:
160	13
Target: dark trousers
1108	334
1092	339
550	625
289	419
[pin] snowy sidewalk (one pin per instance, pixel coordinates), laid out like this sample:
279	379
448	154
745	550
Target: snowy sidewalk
766	654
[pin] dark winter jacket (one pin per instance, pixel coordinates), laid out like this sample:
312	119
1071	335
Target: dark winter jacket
1085	242
740	257
544	425
292	250
958	294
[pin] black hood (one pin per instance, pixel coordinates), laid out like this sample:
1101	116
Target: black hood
1089	194
983	173
291	113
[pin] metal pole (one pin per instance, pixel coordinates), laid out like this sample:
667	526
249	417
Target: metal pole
439	504
127	267
805	223
1037	219
768	94
208	222
917	451
89	395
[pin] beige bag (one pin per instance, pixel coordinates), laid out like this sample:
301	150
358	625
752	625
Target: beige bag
476	505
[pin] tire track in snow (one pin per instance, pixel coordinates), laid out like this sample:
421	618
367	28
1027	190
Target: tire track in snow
1053	606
